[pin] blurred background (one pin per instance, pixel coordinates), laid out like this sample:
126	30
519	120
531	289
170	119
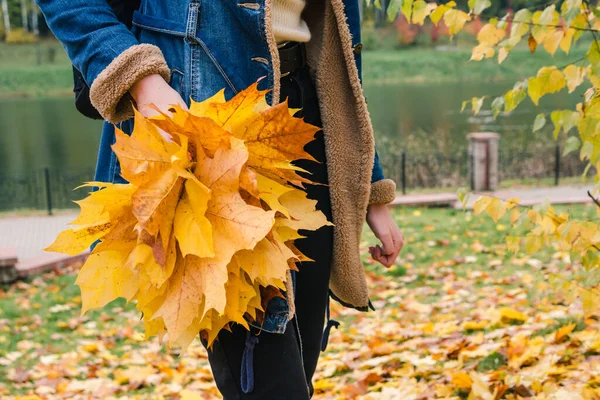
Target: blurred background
415	80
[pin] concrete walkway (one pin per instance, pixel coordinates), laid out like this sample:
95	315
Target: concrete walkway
29	235
527	197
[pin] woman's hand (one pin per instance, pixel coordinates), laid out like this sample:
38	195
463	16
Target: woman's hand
154	90
382	224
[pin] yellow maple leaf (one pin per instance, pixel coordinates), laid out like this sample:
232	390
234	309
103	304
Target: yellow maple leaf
100	212
563	332
270	191
239	293
104	276
266	263
275	139
236	225
510	315
462	380
191	227
302	211
237	114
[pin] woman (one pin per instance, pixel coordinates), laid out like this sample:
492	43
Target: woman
309	52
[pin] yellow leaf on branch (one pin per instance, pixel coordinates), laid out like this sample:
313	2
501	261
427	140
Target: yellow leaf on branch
548	80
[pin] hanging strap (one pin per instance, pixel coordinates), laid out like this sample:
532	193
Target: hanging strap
330	324
247	378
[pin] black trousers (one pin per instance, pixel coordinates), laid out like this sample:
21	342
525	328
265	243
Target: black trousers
284	364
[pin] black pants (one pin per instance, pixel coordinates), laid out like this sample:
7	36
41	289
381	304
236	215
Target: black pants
285	363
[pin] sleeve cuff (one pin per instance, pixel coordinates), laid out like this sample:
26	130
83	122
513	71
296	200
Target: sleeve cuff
383	192
110	91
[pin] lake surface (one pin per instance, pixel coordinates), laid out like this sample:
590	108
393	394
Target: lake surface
50	133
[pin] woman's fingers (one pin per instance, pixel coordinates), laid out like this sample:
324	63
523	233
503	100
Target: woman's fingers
392	244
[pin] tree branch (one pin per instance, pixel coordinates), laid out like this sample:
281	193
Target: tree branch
594	199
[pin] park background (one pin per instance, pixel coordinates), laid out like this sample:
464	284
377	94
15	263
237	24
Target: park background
456	310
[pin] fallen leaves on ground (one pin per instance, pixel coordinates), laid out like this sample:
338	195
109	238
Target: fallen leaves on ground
458	317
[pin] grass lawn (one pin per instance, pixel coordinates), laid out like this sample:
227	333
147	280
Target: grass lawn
456	310
425	65
22	76
34	70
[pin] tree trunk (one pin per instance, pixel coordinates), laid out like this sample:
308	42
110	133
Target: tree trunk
361	9
35	15
5	14
381	13
24	15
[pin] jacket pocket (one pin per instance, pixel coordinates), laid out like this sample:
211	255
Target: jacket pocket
277	315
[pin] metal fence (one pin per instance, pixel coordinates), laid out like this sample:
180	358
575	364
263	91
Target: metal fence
45	189
427	170
417	170
51	189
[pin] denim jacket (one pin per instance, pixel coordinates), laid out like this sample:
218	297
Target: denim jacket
202	46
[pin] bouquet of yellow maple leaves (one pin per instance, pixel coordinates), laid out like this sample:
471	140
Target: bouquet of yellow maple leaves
203	232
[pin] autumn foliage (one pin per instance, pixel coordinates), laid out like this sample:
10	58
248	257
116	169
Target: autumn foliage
202	235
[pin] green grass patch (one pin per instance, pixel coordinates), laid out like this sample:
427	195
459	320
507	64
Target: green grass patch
492	362
426	65
35	70
579	326
44	70
469	245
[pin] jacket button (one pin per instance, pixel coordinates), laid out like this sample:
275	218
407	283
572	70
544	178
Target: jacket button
358	48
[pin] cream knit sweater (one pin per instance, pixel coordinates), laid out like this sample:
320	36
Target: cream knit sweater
287	21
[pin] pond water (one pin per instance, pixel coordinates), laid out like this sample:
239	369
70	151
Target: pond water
49	133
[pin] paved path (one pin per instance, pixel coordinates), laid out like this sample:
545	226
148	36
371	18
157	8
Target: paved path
29	235
528	197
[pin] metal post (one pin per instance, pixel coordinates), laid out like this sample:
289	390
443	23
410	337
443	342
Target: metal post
472	169
403	171
556	164
48	190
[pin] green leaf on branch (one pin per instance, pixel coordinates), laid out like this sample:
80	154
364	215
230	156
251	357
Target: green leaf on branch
478	6
539	123
565	119
476	104
393	9
514	97
498	105
573	143
520	26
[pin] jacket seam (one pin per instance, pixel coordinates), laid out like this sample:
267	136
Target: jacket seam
162	30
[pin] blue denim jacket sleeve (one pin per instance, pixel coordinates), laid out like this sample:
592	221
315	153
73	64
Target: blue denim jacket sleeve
89	31
377	170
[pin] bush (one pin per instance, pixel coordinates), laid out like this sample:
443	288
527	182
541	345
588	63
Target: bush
19	36
384	38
